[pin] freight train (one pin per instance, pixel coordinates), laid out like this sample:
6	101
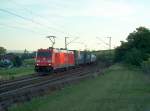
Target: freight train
53	59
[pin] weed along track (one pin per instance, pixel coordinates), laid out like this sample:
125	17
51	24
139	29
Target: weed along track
12	85
26	80
25	89
17	79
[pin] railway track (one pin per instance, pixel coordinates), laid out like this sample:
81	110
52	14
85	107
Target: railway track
24	89
17	79
11	85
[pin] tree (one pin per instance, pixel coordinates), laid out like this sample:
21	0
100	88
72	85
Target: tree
134	57
2	50
17	61
25	55
140	39
138	44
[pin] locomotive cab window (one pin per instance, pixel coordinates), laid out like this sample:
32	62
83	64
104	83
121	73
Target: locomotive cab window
43	54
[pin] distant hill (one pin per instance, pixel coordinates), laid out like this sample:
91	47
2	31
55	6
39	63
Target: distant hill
16	51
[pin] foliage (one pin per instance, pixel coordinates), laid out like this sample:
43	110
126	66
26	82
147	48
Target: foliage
146	66
106	56
27	55
17	62
29	62
138	44
7	73
133	56
120	51
2	50
26	69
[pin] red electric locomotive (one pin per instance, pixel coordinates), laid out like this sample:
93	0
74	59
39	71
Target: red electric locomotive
53	59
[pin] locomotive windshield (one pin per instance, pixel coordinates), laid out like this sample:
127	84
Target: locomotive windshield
43	54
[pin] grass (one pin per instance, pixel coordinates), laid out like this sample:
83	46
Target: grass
27	68
15	72
29	62
119	89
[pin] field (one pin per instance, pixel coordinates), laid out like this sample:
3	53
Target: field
119	89
27	68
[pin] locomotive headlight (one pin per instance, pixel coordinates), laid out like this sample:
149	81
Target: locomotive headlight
37	64
49	64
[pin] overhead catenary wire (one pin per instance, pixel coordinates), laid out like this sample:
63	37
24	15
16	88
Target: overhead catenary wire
40	16
102	41
68	43
28	10
110	44
21	28
72	40
28	19
33	21
107	44
82	43
102	45
55	4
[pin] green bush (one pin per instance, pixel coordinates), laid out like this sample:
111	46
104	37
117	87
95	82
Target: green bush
105	56
146	66
17	62
133	57
29	62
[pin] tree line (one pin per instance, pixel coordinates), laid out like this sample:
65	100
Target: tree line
136	49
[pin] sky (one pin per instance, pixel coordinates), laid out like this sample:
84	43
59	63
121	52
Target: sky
25	24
